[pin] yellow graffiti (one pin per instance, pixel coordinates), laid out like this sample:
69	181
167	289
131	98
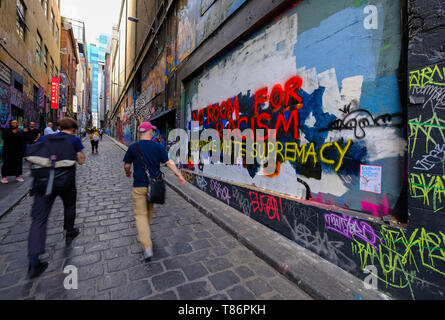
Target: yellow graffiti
430	75
188	176
294	152
401	259
289	151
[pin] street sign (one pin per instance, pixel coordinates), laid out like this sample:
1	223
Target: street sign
55	93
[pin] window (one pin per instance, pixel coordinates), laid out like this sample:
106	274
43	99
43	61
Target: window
45	7
39	49
51	68
57	34
21	22
45	59
52	22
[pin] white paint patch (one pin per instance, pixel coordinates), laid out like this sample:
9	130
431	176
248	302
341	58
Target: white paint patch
257	63
310	121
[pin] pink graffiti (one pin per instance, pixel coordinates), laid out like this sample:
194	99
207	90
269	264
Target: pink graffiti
267	204
350	227
375	209
221	192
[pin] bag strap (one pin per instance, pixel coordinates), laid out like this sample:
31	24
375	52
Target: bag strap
141	158
144	166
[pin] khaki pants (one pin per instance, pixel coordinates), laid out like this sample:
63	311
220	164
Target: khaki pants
143	213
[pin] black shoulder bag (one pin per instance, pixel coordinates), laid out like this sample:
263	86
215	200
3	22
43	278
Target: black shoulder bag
156	186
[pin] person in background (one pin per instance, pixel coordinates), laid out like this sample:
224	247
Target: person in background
31	135
49	129
94	140
101	133
13	145
153	154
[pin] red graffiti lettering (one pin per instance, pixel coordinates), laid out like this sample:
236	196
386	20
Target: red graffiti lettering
276	97
266	204
282	123
292	86
261	97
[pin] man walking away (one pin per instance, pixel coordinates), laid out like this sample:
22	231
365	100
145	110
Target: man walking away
13	145
31	135
49	129
101	133
153	155
94	139
53	157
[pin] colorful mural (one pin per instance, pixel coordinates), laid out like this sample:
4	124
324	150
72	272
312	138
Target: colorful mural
336	109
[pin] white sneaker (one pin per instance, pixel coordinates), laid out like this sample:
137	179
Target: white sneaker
148	253
4	181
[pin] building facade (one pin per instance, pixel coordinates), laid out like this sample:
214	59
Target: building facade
350	109
83	86
69	62
29	58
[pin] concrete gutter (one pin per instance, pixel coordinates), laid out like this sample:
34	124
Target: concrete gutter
316	276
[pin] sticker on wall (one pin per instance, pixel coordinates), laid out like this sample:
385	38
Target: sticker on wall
239	163
371	179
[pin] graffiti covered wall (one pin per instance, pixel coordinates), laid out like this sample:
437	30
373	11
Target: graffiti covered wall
323	74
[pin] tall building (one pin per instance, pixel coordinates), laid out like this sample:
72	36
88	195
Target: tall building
93	67
69	62
29	59
104	76
83	89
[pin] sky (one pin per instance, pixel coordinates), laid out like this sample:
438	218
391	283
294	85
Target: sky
98	15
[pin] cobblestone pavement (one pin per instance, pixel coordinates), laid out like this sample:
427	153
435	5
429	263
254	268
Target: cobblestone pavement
193	257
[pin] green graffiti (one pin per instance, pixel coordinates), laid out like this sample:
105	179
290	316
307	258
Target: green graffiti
434	75
428	187
421	129
402	260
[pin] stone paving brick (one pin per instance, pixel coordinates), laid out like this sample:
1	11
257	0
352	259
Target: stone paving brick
240	293
224	280
259	286
133	291
200	244
91	271
84	259
145	271
218	297
194	290
168	280
218	264
112	280
244	272
169	295
179	248
122	263
195	271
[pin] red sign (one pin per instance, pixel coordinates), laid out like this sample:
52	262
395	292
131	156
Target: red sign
55	93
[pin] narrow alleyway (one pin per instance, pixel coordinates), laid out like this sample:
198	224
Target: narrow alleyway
193	257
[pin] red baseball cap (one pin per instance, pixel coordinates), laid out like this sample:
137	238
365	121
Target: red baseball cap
146	126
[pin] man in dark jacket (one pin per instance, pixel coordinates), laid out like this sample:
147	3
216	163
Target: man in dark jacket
13	145
43	202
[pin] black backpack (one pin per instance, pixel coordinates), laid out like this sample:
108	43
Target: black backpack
53	164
